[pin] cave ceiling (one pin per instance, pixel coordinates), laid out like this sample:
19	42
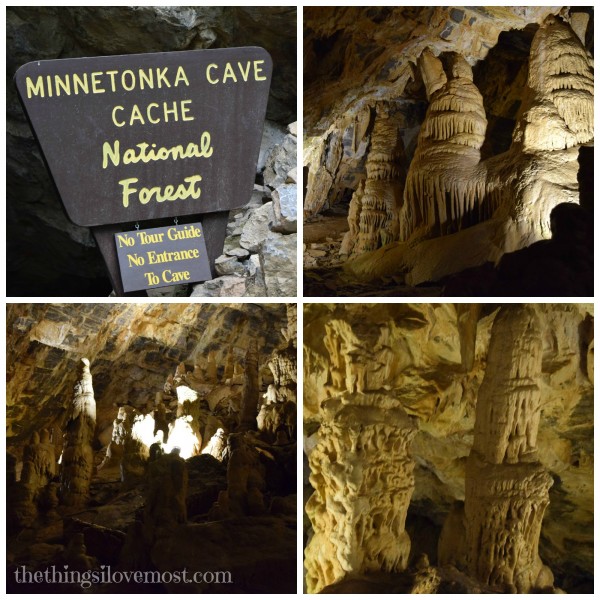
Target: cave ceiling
132	349
354	56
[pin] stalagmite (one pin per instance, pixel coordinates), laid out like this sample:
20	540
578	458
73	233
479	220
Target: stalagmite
561	112
245	481
217	445
374	215
166	494
40	453
250	390
211	368
78	458
351	236
121	431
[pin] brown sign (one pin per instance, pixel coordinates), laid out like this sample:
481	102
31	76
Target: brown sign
149	136
162	256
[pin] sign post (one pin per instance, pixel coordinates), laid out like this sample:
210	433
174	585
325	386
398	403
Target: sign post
146	139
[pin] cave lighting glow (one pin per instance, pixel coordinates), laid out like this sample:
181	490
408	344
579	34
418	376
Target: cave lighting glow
143	430
182	436
186	394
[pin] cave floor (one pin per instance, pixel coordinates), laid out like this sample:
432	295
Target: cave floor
333	281
323	273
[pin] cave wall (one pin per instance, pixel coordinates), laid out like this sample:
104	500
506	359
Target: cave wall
49	255
430	360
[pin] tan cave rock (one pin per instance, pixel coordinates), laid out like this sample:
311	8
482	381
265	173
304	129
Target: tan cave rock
137	456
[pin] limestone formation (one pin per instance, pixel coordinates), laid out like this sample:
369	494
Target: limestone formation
40	459
561	77
77	464
217	445
362	474
444	186
245	481
376	205
120	432
250	390
506	486
478	186
150	493
22	510
211	368
166	494
76	555
495	402
354	212
278	419
132	436
277	414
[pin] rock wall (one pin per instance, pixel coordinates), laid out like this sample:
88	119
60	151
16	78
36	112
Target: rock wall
442	365
48	254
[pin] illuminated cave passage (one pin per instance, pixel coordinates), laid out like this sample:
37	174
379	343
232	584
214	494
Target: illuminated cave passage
448	448
448	148
152	438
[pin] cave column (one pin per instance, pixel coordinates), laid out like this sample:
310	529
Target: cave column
373	218
78	458
362	473
506	485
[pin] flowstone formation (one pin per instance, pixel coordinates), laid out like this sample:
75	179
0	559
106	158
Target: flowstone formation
448	448
77	463
168	469
460	192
